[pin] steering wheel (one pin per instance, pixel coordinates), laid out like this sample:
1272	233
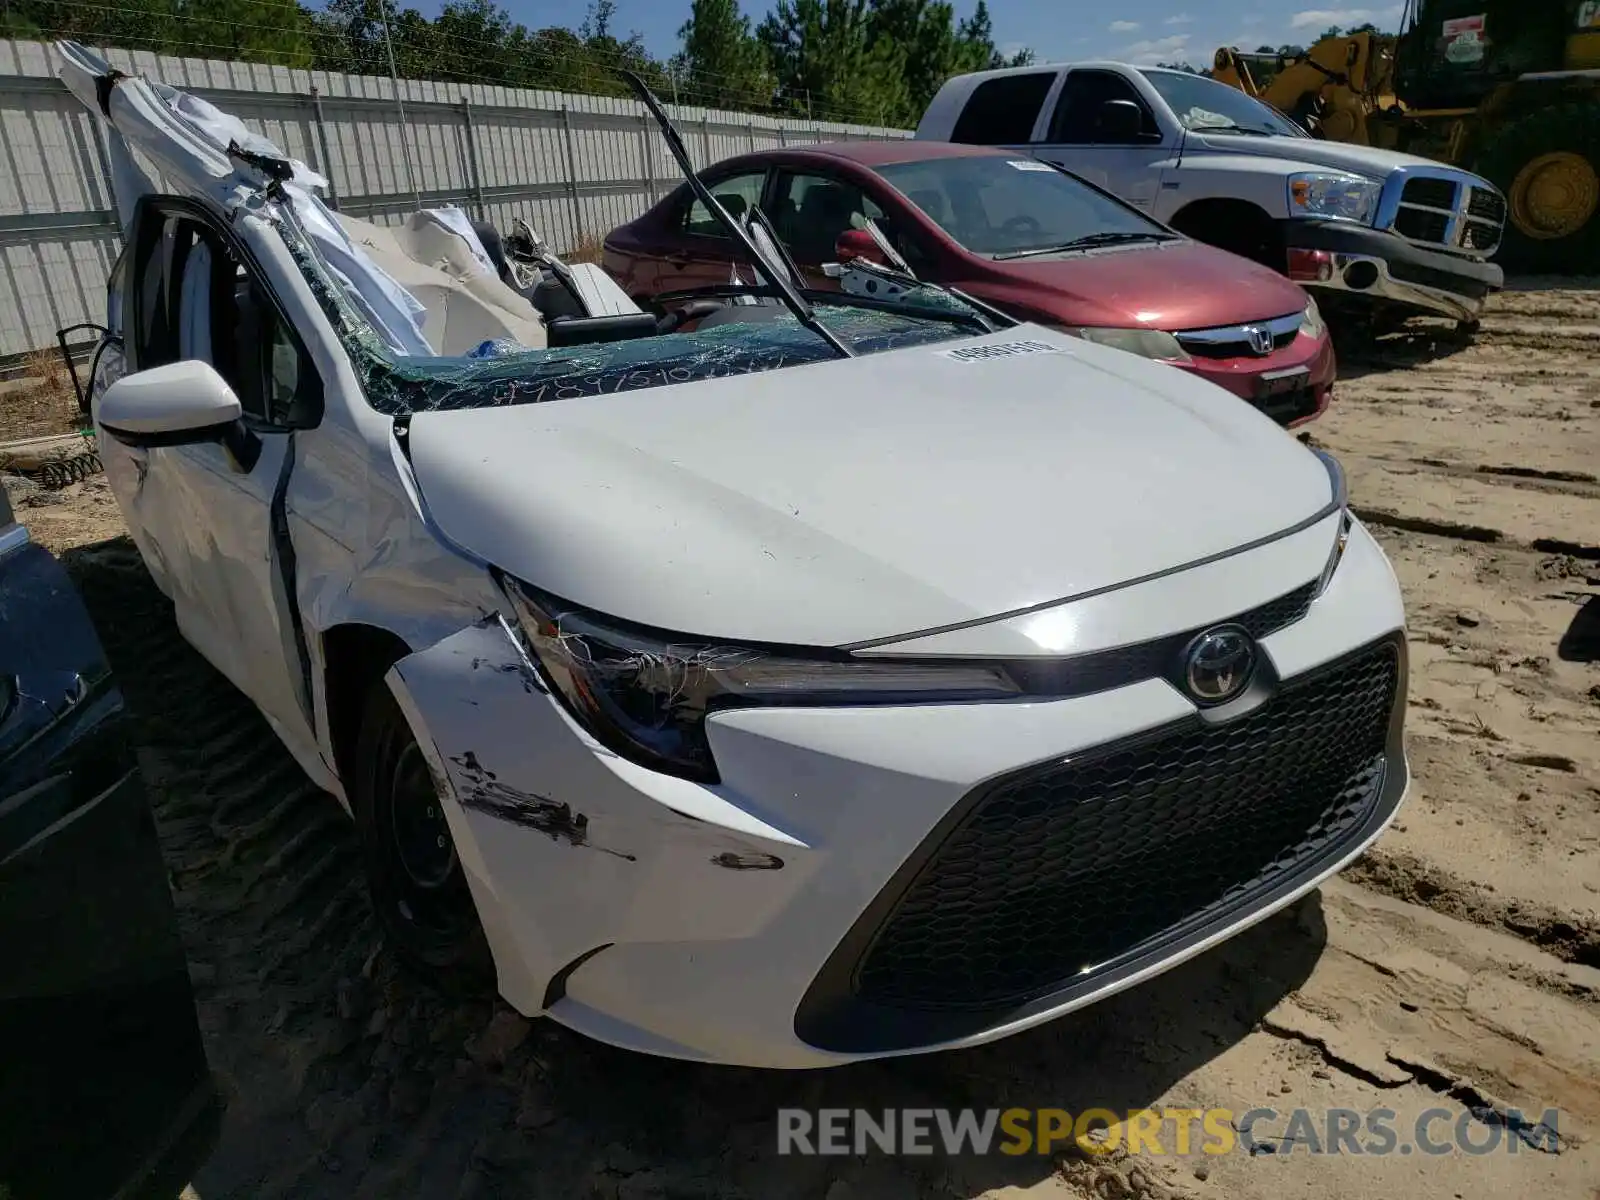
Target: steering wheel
1021	223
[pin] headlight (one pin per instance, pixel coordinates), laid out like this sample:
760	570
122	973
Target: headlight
646	695
1149	343
1333	195
1311	322
1341	497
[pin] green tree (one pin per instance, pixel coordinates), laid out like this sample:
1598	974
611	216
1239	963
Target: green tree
350	38
976	34
473	42
828	64
923	33
721	65
263	30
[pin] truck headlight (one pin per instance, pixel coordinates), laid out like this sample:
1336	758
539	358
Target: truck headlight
1148	343
646	695
1333	195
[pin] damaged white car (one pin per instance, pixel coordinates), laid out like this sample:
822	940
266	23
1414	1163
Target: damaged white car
835	677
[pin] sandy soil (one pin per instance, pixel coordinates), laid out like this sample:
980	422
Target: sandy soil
1457	966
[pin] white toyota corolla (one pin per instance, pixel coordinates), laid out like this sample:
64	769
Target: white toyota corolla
873	679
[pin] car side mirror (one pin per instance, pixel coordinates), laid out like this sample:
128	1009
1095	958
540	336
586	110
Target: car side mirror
858	243
179	404
1121	121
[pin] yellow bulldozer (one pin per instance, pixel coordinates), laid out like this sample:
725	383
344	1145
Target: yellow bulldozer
1507	88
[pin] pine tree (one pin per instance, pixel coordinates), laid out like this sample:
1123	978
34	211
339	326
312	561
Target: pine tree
721	65
829	66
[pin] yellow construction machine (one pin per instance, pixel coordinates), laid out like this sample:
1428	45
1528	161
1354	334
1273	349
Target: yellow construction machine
1507	88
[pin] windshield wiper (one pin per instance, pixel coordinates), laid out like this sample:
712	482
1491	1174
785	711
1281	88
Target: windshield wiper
1104	238
784	288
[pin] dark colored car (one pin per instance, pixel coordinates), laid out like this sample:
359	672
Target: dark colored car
104	1086
1021	234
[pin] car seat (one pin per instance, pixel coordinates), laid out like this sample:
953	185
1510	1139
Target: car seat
824	214
455	281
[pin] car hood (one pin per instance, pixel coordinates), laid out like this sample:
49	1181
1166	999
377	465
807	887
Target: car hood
1171	286
845	501
1369	161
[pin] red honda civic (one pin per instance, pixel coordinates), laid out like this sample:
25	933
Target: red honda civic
1023	235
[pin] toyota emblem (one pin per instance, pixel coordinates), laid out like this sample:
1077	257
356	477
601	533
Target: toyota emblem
1218	664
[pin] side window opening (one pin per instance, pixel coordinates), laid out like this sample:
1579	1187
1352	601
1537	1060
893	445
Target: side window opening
197	300
738	194
1002	111
813	210
1076	120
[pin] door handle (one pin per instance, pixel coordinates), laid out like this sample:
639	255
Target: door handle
678	259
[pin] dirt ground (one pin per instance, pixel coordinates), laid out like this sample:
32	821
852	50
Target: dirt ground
1456	967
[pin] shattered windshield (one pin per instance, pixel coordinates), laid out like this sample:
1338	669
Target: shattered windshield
399	384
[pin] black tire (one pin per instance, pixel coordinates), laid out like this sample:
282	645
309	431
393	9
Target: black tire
1574	128
418	888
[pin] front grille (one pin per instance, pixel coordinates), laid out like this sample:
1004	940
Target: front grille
1056	874
1479	237
1421	225
1236	349
1489	205
1102	670
1455	214
1430	193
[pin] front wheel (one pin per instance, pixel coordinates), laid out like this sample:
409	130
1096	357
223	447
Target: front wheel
414	875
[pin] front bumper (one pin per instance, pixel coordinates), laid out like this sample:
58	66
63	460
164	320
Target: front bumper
724	923
1373	266
1257	379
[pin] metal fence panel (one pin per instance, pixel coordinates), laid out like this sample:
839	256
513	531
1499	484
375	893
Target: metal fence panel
574	166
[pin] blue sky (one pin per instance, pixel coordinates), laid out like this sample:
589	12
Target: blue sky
1135	30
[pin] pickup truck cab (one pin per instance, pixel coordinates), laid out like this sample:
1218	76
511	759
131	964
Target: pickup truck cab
1371	230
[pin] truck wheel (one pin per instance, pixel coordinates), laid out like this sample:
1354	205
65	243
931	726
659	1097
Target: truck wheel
1548	166
418	887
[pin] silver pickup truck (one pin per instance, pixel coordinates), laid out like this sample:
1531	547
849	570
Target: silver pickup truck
1372	231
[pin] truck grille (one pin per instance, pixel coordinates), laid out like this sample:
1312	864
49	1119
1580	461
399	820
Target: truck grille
1056	874
1422	225
1479	237
1447	211
1488	204
1430	193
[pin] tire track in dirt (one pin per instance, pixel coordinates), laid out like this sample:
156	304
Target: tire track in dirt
1475	466
1573	939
